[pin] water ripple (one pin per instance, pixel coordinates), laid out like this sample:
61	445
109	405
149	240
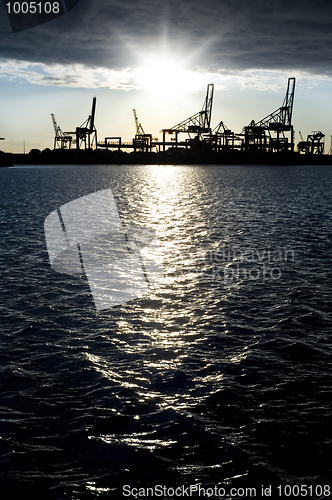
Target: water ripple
221	375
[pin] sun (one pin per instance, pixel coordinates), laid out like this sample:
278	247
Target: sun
166	76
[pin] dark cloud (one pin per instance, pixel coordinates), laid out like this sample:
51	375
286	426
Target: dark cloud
222	34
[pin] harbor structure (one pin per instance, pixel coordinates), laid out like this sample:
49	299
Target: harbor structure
272	135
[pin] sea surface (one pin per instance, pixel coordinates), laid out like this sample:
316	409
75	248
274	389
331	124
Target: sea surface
219	377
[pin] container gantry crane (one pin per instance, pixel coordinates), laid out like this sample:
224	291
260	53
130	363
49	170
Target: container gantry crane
61	139
223	139
142	141
280	121
139	128
314	145
196	125
86	134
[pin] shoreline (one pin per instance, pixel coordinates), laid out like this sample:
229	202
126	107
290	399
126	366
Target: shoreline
170	157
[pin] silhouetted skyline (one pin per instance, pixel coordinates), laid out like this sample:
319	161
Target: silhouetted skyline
247	49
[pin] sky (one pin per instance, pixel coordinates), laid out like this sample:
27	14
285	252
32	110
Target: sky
158	57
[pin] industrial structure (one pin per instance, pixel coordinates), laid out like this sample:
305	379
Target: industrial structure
196	126
273	134
62	140
314	144
86	134
223	139
142	141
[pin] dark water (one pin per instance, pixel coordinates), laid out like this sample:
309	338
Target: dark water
221	376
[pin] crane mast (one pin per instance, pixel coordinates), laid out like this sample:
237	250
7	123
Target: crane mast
86	134
197	124
272	134
139	128
258	134
142	141
61	139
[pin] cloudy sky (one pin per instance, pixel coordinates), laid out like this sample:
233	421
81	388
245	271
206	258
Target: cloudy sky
158	57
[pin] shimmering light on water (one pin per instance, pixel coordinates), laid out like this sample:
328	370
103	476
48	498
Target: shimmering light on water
215	376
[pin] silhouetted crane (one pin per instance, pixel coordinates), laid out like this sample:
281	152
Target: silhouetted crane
139	128
280	121
61	139
314	144
86	134
222	138
142	140
198	123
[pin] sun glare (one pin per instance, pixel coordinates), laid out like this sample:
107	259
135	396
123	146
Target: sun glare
165	77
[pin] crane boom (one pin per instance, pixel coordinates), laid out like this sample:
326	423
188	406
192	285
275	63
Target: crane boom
61	139
287	107
207	108
139	128
93	112
57	129
200	122
258	135
86	134
282	117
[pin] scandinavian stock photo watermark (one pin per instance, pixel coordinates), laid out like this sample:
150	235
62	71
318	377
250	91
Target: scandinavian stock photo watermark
120	262
234	263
